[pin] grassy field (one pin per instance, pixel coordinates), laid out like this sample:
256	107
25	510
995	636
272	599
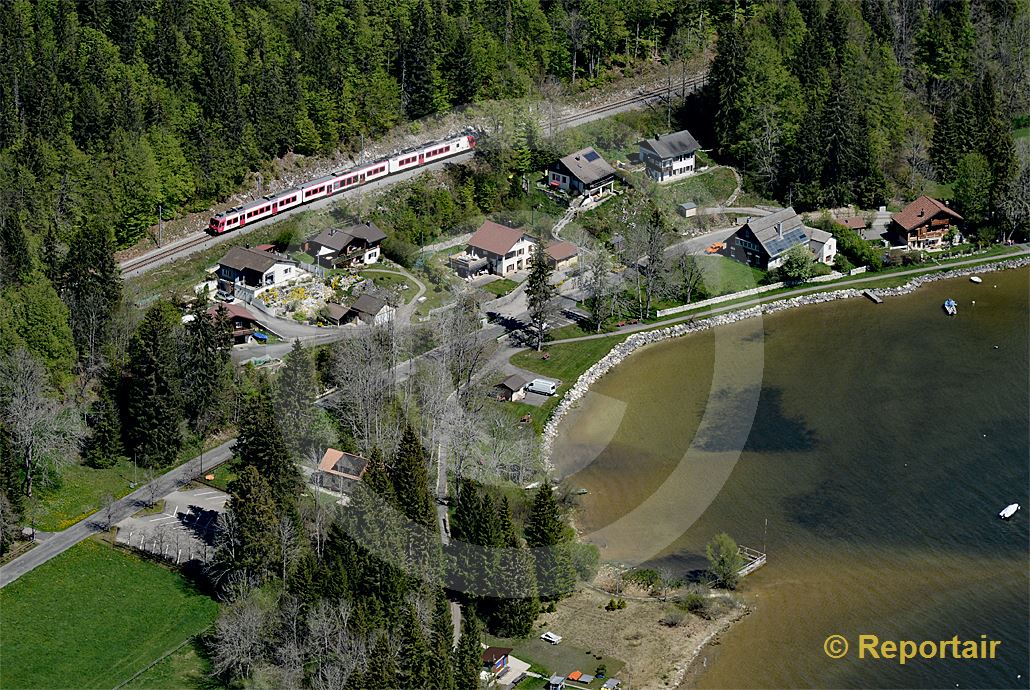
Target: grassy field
710	188
1022	133
500	287
93	617
184	669
81	493
82	489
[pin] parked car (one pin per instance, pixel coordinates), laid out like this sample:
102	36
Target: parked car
542	386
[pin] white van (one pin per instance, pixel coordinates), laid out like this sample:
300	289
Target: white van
542	386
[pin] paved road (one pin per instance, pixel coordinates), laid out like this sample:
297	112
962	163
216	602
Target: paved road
805	290
58	542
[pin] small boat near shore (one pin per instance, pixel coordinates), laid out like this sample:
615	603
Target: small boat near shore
1008	511
976	279
950	307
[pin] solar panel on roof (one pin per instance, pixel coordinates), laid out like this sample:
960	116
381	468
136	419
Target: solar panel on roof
592	156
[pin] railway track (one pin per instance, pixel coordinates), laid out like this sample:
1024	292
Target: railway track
202	240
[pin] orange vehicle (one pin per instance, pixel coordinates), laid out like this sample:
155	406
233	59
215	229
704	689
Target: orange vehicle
715	248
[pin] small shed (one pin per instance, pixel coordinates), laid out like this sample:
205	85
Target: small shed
611	684
556	682
512	388
335	313
687	210
496	658
854	222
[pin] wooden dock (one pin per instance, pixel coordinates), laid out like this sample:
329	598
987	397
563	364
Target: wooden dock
753	560
873	296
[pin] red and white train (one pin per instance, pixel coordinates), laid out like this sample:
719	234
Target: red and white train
328	185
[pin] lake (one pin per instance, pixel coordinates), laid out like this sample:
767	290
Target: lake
867	448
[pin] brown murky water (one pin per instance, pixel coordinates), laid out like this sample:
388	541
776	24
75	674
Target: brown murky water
868	448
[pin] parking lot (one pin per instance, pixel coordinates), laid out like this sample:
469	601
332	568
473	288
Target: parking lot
184	530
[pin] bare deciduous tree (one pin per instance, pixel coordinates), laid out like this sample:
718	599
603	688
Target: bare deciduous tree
44	431
289	545
463	351
365	375
236	644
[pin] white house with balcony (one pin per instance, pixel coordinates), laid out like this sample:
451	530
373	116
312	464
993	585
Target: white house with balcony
669	156
496	249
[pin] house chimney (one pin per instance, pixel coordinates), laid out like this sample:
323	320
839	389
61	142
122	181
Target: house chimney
922	213
332	231
779	229
657	137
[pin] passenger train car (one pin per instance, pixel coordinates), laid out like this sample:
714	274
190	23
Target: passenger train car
328	185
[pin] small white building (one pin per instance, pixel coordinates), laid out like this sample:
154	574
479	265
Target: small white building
823	245
669	156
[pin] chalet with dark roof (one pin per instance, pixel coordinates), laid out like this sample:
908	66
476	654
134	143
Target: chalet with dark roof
355	245
923	224
583	172
244	324
253	268
764	242
669	156
369	309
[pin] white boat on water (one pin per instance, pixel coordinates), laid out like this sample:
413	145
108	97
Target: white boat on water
1008	511
976	279
950	307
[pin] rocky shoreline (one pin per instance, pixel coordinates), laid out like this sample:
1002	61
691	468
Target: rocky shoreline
638	340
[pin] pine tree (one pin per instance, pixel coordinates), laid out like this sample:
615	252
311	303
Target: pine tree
422	89
154	408
410	476
468	655
377	478
260	444
296	391
206	367
91	287
547	534
381	672
540	293
416	658
441	644
253	507
517	607
104	445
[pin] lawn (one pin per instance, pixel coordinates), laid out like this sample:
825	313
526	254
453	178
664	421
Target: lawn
562	659
1022	133
723	275
93	617
566	362
500	287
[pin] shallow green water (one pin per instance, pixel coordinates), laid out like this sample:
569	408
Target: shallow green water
867	448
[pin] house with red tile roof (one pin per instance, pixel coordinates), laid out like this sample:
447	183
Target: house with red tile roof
923	224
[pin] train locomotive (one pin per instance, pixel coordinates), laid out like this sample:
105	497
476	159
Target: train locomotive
329	185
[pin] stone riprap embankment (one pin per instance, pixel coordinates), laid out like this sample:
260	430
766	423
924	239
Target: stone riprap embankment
637	340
